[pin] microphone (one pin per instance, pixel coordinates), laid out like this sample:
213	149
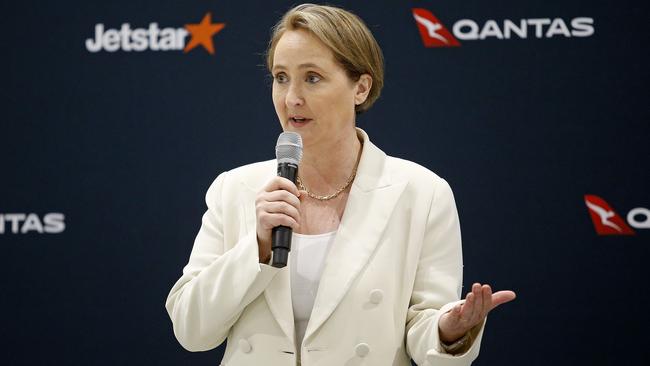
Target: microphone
288	152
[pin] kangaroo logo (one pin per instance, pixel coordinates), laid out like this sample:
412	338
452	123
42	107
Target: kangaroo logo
433	33
606	221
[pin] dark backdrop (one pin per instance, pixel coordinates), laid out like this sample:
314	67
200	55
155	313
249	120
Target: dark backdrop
125	144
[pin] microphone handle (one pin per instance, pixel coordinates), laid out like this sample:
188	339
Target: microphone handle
281	235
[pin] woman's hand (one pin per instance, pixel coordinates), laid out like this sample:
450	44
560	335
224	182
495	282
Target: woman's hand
463	317
277	204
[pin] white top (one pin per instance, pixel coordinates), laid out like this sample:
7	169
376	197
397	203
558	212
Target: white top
306	263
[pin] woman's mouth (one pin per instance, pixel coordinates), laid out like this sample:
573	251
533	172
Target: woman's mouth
299	121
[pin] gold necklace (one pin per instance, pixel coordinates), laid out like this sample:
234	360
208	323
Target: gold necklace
329	196
301	186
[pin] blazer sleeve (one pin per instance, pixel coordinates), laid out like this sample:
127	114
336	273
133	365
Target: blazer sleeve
438	285
219	281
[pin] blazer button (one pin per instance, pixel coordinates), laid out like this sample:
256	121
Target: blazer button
245	346
376	296
362	349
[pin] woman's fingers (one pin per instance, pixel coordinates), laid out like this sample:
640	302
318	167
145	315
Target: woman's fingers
470	306
281	207
271	220
281	195
468	309
502	297
456	311
486	290
478	303
277	204
280	183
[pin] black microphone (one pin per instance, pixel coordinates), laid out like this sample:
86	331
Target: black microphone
288	152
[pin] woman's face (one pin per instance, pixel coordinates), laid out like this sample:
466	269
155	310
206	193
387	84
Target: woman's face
312	93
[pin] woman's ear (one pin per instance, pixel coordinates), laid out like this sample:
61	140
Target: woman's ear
363	86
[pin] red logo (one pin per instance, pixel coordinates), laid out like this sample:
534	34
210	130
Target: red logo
606	221
433	33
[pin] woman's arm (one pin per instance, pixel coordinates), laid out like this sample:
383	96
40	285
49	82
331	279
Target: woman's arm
219	281
438	284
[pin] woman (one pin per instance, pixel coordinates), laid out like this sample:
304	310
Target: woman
375	271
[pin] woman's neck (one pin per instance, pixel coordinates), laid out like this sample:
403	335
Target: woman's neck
327	165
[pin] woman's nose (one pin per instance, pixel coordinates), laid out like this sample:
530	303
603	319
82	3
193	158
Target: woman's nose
294	96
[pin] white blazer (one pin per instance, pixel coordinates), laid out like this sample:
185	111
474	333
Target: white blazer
393	269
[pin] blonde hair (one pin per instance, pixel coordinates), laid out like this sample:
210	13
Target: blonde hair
345	34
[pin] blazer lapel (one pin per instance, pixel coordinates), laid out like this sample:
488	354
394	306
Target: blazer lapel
278	292
370	205
278	297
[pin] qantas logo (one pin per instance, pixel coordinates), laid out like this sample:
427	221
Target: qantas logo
23	223
435	34
154	38
608	222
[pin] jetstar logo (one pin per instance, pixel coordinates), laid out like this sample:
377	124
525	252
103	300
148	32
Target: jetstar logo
435	34
608	222
154	38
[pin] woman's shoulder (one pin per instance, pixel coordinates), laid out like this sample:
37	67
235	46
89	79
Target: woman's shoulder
412	171
253	176
422	183
393	169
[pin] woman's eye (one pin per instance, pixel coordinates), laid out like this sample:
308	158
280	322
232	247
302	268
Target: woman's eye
280	78
313	79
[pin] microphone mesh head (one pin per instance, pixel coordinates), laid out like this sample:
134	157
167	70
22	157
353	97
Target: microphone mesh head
289	148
